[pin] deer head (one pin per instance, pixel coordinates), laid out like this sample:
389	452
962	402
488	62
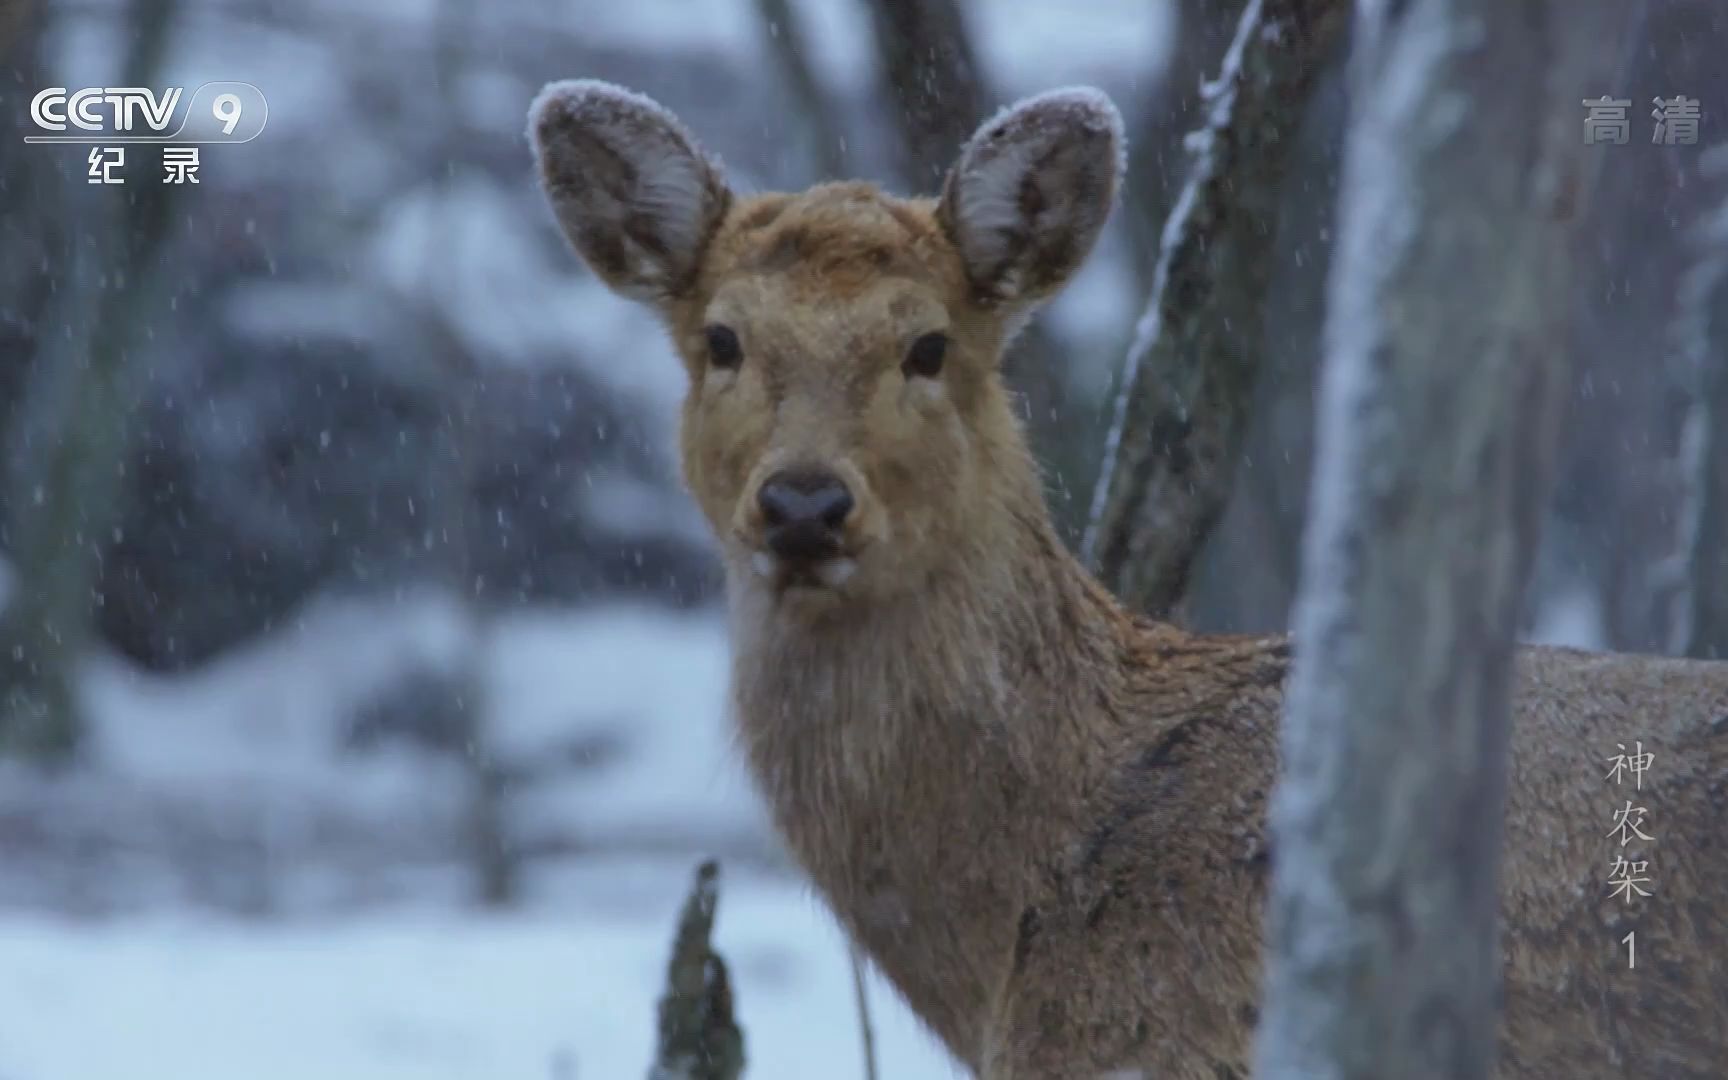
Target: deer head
846	431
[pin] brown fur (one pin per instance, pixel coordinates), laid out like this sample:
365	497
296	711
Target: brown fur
1044	819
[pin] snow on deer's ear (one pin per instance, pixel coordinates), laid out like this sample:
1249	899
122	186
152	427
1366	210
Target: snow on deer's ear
632	190
1031	191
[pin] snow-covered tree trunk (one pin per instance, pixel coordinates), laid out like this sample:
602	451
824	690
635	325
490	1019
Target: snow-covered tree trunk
1157	157
1181	412
1444	374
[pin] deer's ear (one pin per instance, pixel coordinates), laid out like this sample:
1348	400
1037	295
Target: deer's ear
1031	191
632	190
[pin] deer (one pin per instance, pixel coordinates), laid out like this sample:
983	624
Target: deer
1042	817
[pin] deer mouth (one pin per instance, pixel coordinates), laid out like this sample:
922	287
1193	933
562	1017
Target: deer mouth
829	572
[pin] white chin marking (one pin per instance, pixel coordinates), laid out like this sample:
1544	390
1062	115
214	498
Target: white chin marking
835	572
830	573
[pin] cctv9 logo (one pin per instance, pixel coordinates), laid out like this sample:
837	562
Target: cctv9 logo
216	112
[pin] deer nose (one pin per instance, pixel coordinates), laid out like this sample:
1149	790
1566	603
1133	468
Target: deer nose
804	510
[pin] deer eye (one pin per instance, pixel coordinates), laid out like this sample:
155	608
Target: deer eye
723	348
924	358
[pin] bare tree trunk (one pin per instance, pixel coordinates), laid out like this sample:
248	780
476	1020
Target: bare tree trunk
487	830
15	19
1157	160
822	129
68	452
1181	412
1439	416
1245	576
32	187
1708	633
1623	423
933	82
1703	352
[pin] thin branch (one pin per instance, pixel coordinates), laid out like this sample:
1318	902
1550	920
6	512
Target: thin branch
1181	413
1157	160
865	1030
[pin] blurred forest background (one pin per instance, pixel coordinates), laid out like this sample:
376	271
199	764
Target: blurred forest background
360	679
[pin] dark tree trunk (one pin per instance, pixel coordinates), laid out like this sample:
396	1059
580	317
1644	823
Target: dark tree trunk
823	134
1702	352
933	82
1181	412
67	452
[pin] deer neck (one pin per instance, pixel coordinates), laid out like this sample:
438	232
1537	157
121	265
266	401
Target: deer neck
923	758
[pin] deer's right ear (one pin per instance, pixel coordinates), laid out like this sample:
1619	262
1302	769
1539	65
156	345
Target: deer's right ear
1029	195
638	198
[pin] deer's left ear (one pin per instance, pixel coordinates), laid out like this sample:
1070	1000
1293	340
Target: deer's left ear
636	195
1031	191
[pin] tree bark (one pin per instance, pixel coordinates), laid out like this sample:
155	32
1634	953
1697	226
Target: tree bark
786	42
32	231
69	454
486	826
1703	353
1707	637
1439	412
1157	160
933	82
1181	411
1625	422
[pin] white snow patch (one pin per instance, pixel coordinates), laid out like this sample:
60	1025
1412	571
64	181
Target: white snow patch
663	679
630	507
416	995
243	768
268	713
1027	45
1571	617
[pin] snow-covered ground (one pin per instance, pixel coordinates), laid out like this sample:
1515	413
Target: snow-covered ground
428	994
339	978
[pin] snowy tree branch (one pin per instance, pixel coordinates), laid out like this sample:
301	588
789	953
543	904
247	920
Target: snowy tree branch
1181	413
